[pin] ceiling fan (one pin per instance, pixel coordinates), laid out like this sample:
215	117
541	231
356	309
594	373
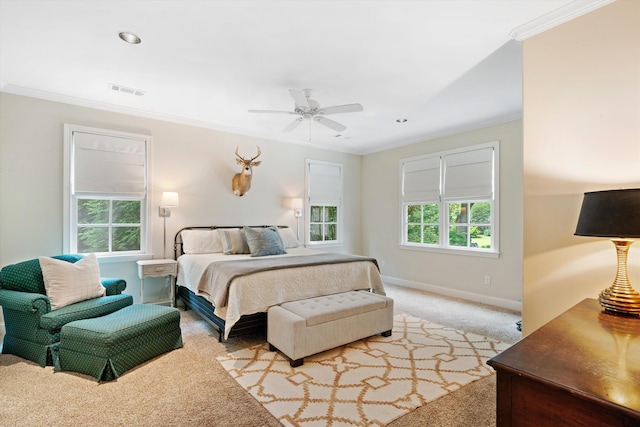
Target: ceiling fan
310	109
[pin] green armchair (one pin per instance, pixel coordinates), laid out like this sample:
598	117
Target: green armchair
32	328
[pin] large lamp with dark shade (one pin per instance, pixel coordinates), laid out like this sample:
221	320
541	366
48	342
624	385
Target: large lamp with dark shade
614	214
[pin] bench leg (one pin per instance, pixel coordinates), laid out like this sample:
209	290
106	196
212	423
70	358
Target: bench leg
293	363
386	333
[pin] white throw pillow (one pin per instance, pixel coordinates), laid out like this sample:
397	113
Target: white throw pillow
200	241
289	238
67	283
233	241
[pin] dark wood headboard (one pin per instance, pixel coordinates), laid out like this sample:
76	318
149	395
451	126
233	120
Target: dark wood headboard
177	241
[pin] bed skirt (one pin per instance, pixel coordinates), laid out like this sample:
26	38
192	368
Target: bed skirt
251	323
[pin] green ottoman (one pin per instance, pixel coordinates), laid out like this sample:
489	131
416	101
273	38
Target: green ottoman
107	346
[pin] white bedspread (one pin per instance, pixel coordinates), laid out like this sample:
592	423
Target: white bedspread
277	286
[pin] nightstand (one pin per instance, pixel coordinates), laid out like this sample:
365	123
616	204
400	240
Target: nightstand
158	268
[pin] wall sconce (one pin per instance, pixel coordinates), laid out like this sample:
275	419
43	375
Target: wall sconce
169	200
297	205
614	214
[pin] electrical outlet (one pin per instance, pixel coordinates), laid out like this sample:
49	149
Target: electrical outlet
487	280
381	262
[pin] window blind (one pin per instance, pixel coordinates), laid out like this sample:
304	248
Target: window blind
325	183
469	175
421	180
108	164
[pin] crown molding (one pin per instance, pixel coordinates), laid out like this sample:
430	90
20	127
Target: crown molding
98	105
556	17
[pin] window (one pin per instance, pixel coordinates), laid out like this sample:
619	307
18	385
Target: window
323	223
324	195
105	191
449	200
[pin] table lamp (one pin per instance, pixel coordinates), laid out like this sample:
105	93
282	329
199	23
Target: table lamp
614	214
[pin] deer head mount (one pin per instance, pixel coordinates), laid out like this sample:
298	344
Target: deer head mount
241	182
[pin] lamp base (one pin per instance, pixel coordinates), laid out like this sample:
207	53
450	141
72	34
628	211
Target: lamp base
620	304
620	298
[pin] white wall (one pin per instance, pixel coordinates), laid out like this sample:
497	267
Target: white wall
457	275
581	133
197	163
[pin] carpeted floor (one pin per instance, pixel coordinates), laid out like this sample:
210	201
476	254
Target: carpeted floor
188	386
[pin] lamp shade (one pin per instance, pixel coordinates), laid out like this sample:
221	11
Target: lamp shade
611	213
295	203
169	199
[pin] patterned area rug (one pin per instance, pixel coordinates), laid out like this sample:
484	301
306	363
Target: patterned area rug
366	383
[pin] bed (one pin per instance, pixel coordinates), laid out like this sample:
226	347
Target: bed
231	275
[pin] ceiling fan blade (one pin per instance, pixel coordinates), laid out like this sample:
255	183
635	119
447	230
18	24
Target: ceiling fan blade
272	111
294	124
300	98
347	108
330	123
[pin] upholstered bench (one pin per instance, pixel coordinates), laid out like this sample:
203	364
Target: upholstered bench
305	327
107	346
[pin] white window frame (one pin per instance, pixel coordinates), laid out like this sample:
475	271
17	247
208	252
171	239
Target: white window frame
435	194
70	197
331	197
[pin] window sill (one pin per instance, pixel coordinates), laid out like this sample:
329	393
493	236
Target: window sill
324	245
463	252
109	259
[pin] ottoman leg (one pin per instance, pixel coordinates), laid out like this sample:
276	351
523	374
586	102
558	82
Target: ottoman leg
296	363
386	333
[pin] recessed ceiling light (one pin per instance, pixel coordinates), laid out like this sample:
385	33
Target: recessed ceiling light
130	37
401	120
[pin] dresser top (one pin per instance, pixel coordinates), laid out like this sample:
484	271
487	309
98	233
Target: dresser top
585	351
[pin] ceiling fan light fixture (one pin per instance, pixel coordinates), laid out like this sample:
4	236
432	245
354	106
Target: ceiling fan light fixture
130	37
309	109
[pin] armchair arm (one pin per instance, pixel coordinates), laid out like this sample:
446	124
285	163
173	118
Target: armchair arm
26	302
114	286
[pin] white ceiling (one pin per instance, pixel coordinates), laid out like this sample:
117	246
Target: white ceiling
444	65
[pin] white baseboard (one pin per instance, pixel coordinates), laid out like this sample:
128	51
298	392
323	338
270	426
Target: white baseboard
470	296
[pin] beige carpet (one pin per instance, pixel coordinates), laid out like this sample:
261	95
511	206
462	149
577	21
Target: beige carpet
369	382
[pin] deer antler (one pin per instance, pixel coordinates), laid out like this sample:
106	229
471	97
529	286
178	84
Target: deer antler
240	157
257	155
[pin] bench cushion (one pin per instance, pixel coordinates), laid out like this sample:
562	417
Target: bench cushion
333	307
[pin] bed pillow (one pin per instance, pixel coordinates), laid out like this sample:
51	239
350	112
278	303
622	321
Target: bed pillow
67	283
201	241
264	241
233	241
288	238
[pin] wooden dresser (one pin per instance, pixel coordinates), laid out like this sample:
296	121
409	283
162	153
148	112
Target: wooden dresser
580	369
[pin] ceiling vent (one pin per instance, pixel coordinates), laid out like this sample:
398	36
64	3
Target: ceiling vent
124	89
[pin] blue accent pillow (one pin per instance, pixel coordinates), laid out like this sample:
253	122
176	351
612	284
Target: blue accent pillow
264	241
